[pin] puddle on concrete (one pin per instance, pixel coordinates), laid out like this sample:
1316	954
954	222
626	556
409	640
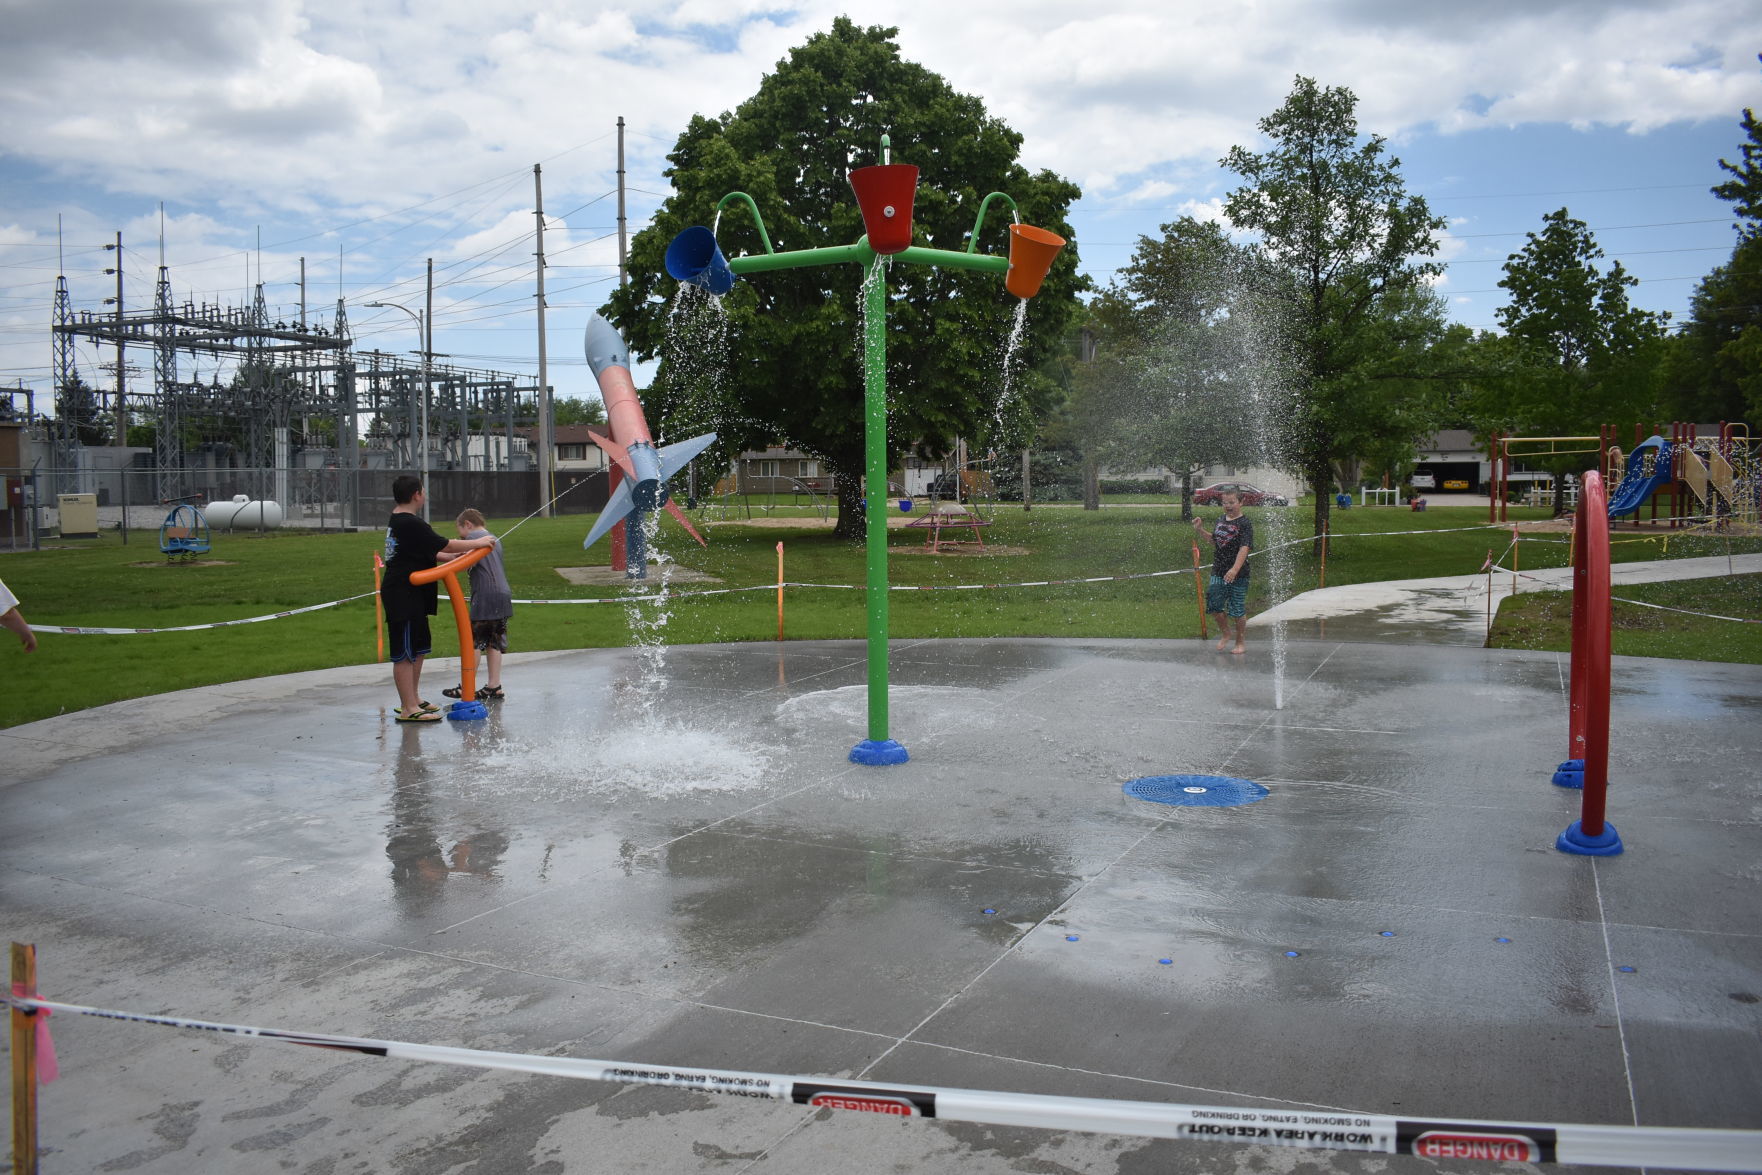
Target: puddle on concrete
917	714
656	756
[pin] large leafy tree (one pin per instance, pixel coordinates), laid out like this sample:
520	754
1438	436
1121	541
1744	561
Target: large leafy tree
1332	214
793	337
1185	368
1715	370
76	402
1744	189
578	411
1583	354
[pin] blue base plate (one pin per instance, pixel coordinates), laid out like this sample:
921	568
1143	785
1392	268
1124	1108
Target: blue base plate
1570	774
1574	840
878	753
467	711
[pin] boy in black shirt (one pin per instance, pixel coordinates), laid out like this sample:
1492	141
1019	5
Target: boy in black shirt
412	545
1227	593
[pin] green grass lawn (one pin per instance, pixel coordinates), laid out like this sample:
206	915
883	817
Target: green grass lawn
100	583
1543	620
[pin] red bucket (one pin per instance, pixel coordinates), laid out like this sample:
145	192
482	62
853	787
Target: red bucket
885	193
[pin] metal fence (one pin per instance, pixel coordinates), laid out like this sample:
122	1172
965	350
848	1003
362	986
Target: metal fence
320	499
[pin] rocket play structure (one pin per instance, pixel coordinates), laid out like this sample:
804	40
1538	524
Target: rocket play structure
639	471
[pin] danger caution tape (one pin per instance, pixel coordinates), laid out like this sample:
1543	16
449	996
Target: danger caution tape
71	630
1685	611
671	595
1552	586
1496	1142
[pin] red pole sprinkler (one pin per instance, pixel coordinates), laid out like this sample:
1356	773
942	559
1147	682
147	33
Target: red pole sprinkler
1590	835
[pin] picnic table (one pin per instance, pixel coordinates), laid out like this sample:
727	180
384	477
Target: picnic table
949	516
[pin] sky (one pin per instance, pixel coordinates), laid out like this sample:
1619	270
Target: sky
367	137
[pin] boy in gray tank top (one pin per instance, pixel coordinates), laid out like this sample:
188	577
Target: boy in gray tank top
492	605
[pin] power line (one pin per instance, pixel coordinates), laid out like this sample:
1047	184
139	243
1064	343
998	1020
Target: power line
1604	229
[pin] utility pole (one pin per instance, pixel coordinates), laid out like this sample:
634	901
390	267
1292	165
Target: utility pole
1091	466
623	251
545	490
121	432
426	334
311	380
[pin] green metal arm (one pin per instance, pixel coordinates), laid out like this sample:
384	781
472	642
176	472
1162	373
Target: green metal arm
973	242
861	254
984	262
858	254
764	237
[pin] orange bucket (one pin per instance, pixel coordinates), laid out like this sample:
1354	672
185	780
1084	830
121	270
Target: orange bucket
885	193
1031	251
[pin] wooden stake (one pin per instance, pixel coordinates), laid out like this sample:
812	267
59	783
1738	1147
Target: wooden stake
24	1062
1514	558
1199	590
1489	598
378	612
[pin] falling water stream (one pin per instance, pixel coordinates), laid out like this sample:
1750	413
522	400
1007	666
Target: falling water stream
1011	363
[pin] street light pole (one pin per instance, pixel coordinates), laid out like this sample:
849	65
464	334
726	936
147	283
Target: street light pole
422	407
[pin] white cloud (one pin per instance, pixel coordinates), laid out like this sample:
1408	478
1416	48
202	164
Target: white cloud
288	101
330	117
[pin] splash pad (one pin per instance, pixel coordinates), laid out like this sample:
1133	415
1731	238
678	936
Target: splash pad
993	915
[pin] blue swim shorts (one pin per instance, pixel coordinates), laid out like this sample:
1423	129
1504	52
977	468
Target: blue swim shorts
1228	598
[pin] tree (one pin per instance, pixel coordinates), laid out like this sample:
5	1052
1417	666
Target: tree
1744	190
1584	354
794	336
1715	370
1183	365
76	403
1333	216
572	411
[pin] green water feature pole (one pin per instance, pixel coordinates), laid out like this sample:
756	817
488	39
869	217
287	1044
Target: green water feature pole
711	270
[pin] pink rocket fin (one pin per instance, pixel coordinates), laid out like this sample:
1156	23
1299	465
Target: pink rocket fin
616	452
679	517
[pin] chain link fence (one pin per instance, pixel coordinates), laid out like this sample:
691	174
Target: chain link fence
54	502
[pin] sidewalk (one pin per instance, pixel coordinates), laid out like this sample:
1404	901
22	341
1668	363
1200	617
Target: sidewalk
1452	610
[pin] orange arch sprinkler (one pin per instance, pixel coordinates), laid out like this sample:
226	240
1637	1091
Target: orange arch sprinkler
467	707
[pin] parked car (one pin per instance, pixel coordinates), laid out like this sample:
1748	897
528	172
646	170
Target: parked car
1456	483
1251	495
1424	481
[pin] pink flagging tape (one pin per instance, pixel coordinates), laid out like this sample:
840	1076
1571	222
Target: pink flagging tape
1435	1138
47	1067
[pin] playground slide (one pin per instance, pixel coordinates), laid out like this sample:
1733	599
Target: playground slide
1638	483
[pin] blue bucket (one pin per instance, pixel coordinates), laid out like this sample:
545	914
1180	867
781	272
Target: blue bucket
695	257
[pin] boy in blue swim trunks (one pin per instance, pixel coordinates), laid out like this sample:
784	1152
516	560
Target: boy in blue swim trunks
1226	595
412	545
